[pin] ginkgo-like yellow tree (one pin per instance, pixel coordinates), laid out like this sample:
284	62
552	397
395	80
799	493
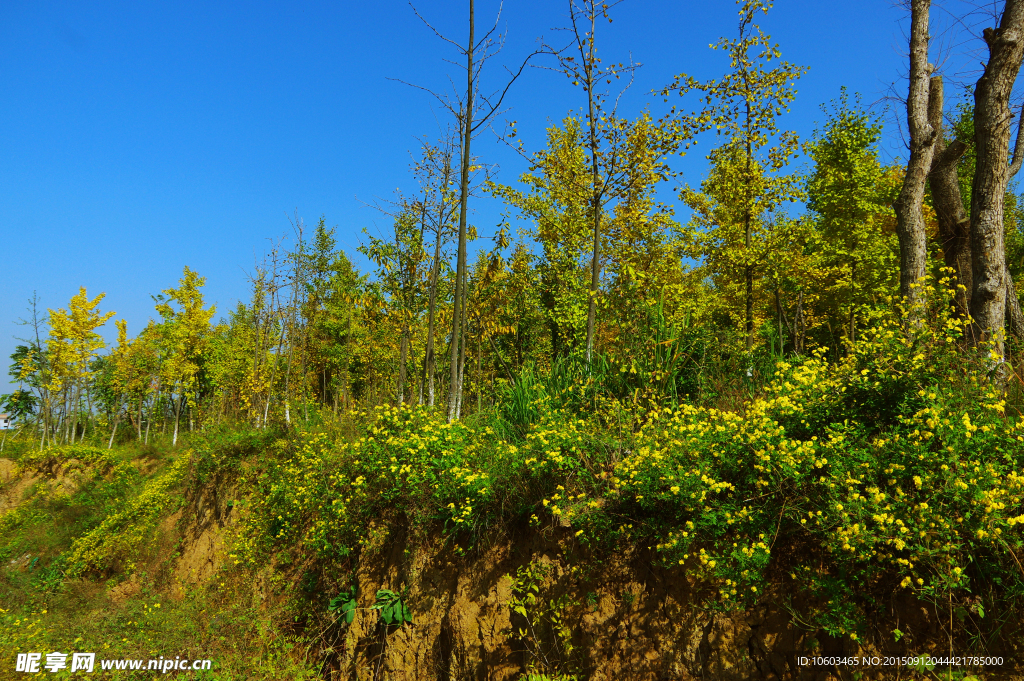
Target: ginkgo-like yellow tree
72	346
743	107
185	335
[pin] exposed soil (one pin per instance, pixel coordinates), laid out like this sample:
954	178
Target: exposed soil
624	617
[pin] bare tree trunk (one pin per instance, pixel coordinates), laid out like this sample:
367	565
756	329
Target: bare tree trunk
277	359
798	323
479	365
992	119
113	431
954	225
748	269
403	356
924	109
177	413
88	412
429	361
596	187
455	393
1014	316
778	319
463	335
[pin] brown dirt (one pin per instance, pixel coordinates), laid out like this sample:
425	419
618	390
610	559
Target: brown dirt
628	620
202	535
14	484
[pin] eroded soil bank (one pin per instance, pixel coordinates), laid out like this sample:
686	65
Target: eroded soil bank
531	600
602	618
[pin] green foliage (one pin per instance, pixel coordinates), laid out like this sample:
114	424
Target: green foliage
541	624
850	193
904	480
734	233
392	608
123	534
345	604
752	407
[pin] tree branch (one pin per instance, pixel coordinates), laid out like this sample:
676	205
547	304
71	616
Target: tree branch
1018	147
949	156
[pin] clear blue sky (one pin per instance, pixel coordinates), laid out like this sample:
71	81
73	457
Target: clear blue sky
140	137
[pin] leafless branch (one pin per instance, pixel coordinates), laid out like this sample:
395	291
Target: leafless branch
434	30
1018	147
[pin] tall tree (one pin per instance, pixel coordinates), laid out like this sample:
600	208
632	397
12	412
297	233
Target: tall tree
606	165
954	227
71	348
435	173
472	110
924	116
399	261
847	193
992	121
744	107
185	333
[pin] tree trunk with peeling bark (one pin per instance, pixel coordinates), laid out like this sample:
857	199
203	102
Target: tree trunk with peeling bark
1014	316
992	121
954	225
924	109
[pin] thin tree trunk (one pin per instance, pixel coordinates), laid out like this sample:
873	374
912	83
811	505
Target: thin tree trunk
596	191
992	120
277	358
924	111
798	322
113	432
479	364
455	395
463	340
177	414
429	361
402	358
778	317
748	236
1014	316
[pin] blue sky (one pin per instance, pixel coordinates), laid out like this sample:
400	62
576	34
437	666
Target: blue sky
138	138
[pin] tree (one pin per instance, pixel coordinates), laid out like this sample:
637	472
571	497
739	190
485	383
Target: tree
744	107
607	167
122	374
71	348
848	195
399	261
924	117
25	369
737	242
472	110
556	202
948	190
435	173
992	172
185	335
